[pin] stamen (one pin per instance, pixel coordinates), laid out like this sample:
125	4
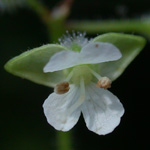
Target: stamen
62	88
104	82
69	76
95	74
81	98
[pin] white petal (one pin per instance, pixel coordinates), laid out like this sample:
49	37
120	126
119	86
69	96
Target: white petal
56	109
102	110
97	52
62	60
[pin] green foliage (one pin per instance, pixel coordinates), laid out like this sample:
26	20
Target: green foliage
29	65
129	45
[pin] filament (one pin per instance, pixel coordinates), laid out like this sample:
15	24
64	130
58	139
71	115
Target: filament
69	76
95	74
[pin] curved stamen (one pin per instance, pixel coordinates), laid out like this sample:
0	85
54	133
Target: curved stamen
69	76
63	87
95	74
104	82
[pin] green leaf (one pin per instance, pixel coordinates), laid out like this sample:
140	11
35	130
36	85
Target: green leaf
129	45
29	65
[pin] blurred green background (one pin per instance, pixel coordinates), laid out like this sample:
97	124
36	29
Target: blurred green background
23	125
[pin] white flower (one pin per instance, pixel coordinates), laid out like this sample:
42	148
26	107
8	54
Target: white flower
100	108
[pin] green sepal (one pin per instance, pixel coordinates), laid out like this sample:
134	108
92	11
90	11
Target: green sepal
30	64
129	45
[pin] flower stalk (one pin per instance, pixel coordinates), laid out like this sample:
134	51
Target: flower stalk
64	140
141	26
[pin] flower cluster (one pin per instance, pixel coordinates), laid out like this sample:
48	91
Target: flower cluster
84	90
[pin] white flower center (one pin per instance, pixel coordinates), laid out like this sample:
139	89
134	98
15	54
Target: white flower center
79	72
88	75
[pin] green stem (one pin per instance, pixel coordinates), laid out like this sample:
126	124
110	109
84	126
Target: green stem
64	140
92	27
42	12
40	9
55	27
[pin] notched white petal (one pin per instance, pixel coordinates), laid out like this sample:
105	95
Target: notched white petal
97	52
62	60
102	110
92	53
56	109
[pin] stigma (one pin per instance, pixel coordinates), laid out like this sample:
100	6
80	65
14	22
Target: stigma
74	41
